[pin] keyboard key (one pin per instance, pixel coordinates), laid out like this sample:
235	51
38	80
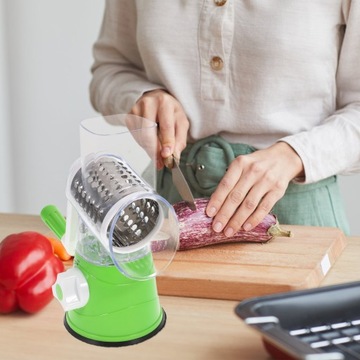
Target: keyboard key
352	331
342	340
320	328
331	335
320	344
340	325
298	332
310	338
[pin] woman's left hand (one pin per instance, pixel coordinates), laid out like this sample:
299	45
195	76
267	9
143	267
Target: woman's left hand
251	186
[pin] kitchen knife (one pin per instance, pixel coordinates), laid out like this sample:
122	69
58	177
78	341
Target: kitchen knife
181	184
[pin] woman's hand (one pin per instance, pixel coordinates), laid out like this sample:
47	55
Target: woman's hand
251	186
161	107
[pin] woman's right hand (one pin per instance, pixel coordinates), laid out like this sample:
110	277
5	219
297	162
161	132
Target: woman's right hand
162	108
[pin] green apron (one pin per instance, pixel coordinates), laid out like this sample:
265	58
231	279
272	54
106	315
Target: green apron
205	162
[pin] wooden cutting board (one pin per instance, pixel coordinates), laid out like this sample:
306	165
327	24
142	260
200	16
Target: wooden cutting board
242	270
235	271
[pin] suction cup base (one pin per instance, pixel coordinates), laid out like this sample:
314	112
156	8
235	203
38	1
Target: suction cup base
116	343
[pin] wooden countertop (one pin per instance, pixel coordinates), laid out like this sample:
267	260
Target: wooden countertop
195	329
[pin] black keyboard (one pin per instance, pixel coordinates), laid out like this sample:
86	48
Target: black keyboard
342	337
322	323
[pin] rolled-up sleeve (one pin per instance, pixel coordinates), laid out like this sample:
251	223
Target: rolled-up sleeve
333	147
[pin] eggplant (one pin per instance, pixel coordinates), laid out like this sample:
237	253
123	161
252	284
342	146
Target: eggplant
196	228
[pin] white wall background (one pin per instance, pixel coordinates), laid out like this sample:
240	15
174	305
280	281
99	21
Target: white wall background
45	59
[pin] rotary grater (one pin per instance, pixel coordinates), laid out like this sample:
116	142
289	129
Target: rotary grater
121	233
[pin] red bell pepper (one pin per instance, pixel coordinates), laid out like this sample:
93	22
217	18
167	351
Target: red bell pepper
28	269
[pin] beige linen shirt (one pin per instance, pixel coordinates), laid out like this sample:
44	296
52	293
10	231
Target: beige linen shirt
251	71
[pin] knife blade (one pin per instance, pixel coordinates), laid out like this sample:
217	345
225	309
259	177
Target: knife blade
181	184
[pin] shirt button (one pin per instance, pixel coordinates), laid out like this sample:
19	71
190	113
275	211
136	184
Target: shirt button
216	63
220	2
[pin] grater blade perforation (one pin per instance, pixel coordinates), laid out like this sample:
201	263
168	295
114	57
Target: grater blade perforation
104	182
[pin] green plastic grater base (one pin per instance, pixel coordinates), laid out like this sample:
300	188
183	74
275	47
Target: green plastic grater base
120	311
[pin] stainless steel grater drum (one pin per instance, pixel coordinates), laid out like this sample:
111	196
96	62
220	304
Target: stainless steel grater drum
109	184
